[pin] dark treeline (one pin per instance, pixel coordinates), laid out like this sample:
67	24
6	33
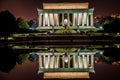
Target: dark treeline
9	57
110	24
111	55
10	25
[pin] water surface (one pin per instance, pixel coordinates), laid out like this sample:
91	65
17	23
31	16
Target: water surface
16	63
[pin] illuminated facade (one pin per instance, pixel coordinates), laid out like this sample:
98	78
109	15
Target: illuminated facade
69	64
75	64
56	16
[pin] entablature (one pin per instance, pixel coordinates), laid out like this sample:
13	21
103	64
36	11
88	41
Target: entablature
65	10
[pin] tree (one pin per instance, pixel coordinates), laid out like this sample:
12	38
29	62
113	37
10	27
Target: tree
110	24
32	24
111	55
22	25
106	20
8	24
116	25
7	58
22	57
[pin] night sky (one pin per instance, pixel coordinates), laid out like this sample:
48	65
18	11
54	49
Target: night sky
27	9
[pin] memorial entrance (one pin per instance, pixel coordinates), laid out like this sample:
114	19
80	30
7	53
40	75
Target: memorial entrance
56	16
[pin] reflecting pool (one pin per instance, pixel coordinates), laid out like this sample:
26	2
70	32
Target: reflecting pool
38	62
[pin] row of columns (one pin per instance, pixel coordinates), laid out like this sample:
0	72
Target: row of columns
78	19
53	61
48	19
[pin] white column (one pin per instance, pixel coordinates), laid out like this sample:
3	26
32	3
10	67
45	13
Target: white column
51	19
48	20
57	61
54	19
75	19
72	19
78	61
68	16
52	62
44	19
57	19
68	61
62	19
92	60
91	19
79	18
83	60
74	61
84	20
40	19
87	20
88	60
40	61
47	59
63	61
44	60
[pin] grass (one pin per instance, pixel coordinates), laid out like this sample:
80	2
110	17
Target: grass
66	31
65	49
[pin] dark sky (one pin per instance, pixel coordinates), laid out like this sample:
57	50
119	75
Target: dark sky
27	9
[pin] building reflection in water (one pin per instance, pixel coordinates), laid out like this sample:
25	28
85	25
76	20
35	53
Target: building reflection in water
66	62
58	61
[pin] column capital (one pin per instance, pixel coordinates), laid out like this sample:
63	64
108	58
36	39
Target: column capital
90	13
91	10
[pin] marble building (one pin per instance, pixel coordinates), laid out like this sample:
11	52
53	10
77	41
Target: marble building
77	16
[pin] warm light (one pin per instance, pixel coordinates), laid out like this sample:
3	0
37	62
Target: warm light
66	59
65	21
65	5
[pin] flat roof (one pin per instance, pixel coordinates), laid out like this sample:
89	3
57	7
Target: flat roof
66	75
65	5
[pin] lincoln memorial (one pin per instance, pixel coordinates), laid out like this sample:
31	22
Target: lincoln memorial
61	16
77	63
56	16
